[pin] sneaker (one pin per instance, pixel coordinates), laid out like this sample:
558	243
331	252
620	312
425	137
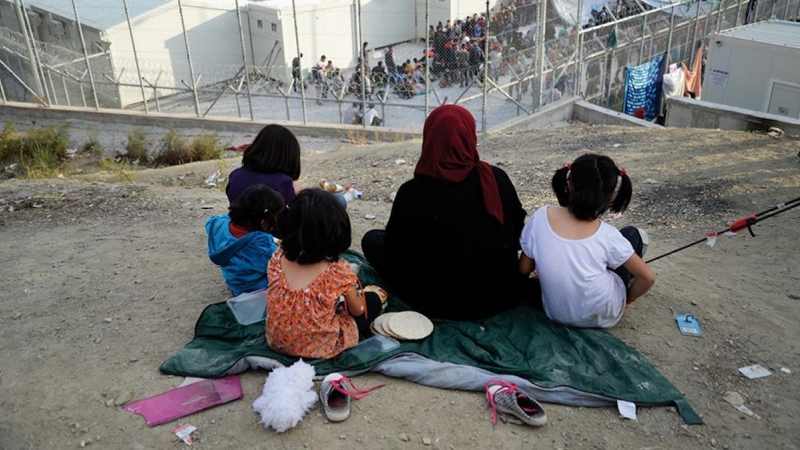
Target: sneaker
645	240
506	398
335	393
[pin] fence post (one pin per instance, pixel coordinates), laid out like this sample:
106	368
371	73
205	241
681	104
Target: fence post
738	11
135	55
641	45
485	68
577	86
34	73
363	54
427	60
708	16
669	35
694	34
611	74
39	71
721	12
540	53
299	66
244	59
189	57
66	92
52	86
85	54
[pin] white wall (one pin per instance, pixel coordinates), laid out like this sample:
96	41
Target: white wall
329	30
751	65
386	22
213	40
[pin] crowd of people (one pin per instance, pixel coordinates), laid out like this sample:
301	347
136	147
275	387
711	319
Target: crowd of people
456	245
619	10
456	56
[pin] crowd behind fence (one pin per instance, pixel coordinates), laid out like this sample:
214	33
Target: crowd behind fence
393	60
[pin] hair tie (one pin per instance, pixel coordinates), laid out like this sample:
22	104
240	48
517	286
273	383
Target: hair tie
622	172
568	166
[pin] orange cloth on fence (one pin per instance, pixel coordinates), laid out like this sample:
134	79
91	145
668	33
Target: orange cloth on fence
694	77
309	322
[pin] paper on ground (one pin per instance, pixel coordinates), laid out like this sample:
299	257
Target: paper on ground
626	409
747	411
184	432
755	371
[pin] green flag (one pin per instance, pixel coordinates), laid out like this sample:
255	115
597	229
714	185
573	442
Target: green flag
612	37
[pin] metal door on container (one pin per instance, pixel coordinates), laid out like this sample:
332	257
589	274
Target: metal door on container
784	100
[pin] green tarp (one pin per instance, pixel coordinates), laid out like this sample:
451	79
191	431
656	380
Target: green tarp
520	342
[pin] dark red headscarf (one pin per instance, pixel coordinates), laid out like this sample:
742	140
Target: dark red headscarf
450	153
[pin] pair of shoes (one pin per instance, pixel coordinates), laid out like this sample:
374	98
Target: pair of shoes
505	397
335	393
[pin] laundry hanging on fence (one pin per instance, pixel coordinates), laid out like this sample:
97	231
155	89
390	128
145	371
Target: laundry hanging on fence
674	81
643	85
694	77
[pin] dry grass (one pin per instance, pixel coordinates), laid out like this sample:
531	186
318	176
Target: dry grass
40	151
136	147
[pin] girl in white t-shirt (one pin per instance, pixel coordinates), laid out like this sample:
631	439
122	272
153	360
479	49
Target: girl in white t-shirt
588	270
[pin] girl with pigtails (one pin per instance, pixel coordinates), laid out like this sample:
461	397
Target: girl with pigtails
588	270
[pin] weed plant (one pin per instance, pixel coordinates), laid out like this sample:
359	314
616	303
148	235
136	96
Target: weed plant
136	147
38	150
174	150
93	146
206	147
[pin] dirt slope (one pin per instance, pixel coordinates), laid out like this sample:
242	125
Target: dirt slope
102	281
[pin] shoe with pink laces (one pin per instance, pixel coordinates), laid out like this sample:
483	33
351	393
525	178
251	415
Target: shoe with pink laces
335	393
506	398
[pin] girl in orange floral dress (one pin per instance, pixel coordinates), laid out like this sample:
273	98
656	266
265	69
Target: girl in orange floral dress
314	309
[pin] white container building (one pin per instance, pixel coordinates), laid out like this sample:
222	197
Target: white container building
756	67
212	28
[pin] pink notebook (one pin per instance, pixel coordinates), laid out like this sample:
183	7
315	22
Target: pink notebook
182	401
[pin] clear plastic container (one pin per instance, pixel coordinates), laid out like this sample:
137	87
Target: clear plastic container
376	344
250	307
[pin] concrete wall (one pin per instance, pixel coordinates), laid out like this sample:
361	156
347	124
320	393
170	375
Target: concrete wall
569	109
27	112
551	114
589	113
689	113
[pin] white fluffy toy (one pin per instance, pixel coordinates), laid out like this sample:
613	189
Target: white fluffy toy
287	396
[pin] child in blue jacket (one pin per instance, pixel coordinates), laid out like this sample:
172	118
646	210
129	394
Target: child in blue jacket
241	242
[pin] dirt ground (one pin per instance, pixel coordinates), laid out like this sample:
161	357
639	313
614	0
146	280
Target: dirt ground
103	280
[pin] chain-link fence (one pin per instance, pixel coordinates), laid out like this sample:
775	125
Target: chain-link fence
384	62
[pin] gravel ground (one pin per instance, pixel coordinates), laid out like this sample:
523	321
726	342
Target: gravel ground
103	278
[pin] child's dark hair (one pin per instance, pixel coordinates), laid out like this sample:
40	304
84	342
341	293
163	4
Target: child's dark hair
274	150
315	227
257	204
593	180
